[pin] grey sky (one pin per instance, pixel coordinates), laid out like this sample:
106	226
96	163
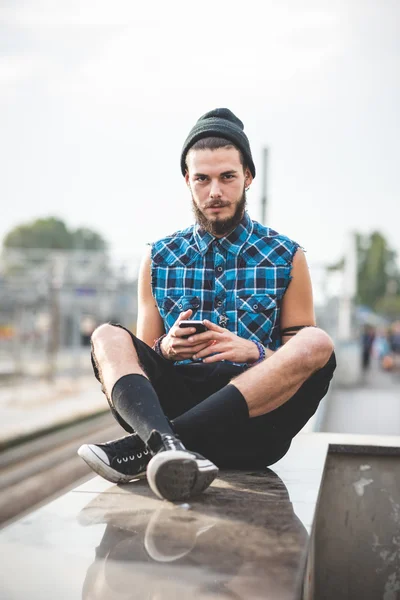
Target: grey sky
96	99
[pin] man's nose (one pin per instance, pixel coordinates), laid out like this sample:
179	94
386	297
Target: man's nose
215	190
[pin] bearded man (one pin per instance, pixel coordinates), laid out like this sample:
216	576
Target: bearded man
235	395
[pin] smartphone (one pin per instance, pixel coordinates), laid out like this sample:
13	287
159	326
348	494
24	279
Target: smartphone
198	325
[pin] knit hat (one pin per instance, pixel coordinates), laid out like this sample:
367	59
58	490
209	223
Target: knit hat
220	122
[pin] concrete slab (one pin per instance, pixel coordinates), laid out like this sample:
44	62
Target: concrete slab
246	537
372	408
36	407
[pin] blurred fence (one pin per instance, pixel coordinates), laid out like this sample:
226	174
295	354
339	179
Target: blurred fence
50	302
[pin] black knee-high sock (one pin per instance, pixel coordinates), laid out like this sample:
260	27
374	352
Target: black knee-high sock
226	408
136	401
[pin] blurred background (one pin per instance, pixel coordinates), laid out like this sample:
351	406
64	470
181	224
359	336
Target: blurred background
96	100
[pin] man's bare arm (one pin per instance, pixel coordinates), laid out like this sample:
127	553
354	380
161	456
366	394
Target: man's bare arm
298	305
150	325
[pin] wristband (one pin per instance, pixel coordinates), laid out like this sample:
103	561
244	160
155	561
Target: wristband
290	331
157	346
261	352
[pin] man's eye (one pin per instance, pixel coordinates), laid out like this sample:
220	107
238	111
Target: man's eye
228	176
201	178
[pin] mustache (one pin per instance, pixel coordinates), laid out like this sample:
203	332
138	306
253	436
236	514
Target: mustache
216	204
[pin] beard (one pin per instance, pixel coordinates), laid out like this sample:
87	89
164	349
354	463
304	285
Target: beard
223	226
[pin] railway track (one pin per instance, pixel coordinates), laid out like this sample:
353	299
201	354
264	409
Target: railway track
35	470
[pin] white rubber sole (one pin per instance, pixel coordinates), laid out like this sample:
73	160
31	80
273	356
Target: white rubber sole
177	475
103	469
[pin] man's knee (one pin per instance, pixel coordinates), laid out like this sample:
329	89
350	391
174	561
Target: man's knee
319	346
107	335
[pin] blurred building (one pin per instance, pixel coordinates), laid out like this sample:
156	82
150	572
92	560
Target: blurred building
51	301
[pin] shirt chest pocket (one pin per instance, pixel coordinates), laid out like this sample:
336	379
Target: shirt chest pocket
171	306
256	316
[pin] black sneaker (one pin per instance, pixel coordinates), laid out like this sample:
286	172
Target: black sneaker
175	473
118	461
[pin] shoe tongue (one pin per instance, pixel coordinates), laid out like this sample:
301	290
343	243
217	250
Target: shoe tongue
163	441
155	441
127	444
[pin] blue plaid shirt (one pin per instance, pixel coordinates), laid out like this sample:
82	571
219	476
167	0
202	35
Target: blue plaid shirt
237	281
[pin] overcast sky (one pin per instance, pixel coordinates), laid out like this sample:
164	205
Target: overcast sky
97	97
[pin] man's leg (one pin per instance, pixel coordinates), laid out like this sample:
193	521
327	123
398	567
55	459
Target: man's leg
262	441
173	472
125	383
261	389
271	383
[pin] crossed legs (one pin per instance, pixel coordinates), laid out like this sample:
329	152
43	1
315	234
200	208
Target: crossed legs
235	420
264	387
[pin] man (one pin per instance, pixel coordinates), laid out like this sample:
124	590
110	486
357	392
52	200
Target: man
235	395
367	342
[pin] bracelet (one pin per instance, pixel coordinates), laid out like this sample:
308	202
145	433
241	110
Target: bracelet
157	346
261	351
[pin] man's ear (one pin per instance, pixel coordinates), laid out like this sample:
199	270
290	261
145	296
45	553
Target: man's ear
248	177
187	179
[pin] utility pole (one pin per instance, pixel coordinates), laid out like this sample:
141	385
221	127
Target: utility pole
264	186
53	340
55	280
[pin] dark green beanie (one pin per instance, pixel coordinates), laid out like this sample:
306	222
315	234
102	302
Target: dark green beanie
220	122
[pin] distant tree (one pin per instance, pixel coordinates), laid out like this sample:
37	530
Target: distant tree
27	247
377	269
52	233
87	239
378	277
337	266
389	306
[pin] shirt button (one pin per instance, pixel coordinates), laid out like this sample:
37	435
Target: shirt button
255	306
219	303
180	306
219	269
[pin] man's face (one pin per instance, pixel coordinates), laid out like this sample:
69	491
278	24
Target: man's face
217	182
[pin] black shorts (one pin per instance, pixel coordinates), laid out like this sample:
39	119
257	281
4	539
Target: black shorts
259	441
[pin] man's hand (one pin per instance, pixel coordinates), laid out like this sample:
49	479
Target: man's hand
224	345
175	347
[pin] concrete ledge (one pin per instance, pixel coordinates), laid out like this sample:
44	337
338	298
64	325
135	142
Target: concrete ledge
246	537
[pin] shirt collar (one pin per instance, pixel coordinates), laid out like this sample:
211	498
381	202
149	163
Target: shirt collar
233	242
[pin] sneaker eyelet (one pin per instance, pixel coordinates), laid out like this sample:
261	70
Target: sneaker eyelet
119	461
132	457
145	451
139	455
125	459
